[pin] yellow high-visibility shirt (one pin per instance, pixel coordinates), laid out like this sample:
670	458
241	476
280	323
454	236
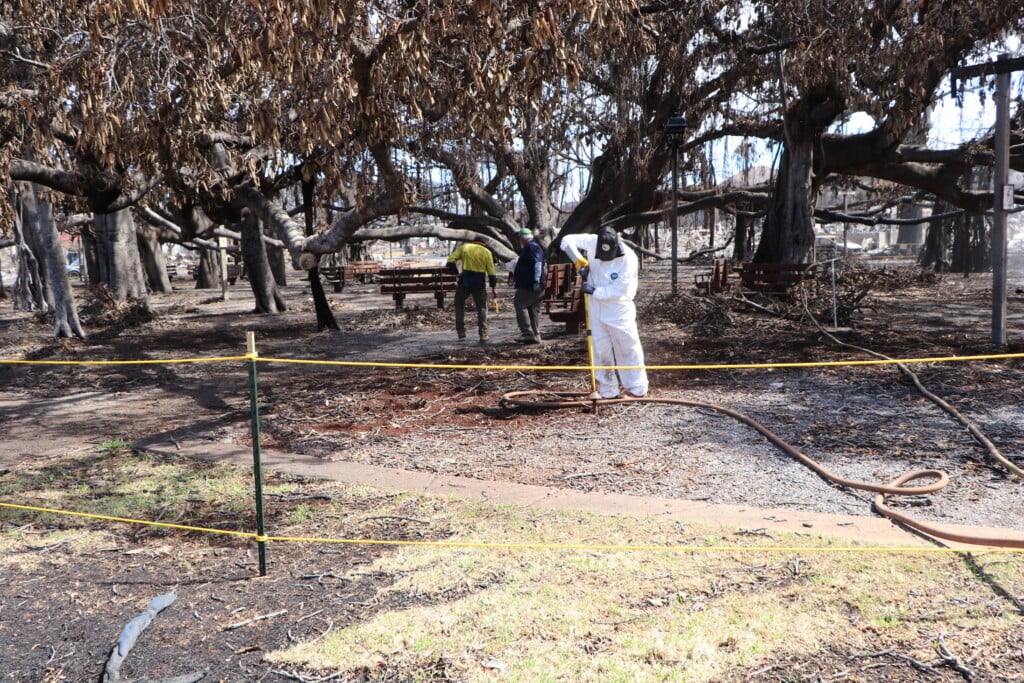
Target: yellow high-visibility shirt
475	257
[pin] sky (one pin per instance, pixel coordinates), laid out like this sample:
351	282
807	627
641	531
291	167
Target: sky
953	123
954	120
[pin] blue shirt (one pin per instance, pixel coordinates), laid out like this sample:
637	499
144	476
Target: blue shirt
529	272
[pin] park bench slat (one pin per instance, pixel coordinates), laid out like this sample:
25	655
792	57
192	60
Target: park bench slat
775	278
339	276
716	280
563	299
401	281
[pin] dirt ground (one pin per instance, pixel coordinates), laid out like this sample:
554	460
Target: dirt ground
867	421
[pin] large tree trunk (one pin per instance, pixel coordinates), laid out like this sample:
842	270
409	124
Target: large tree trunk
788	232
971	251
278	269
254	254
153	261
117	256
616	182
537	197
29	285
743	240
324	317
208	270
65	315
49	264
532	171
933	251
87	235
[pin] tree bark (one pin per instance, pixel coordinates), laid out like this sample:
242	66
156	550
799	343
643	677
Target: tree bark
743	243
532	172
971	252
788	232
153	261
29	285
324	317
208	269
276	261
118	256
87	234
65	315
254	254
933	251
613	183
40	246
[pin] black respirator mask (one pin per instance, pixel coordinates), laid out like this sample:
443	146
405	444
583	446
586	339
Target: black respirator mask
608	247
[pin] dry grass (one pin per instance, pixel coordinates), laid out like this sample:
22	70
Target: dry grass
481	592
731	603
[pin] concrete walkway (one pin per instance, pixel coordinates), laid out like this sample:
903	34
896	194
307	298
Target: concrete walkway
874	530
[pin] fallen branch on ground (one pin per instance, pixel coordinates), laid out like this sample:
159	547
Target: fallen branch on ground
130	635
246	622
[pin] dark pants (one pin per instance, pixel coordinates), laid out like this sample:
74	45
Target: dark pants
527	303
480	299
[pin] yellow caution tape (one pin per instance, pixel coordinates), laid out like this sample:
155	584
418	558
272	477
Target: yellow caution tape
519	546
558	368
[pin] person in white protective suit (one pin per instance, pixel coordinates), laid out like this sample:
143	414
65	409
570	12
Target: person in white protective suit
611	281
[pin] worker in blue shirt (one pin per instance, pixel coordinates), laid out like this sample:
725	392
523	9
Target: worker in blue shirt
530	276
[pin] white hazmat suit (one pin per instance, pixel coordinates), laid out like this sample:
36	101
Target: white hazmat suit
614	335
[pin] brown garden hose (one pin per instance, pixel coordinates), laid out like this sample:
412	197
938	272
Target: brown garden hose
1004	539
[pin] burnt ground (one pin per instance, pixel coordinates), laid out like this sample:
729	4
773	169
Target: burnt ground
59	620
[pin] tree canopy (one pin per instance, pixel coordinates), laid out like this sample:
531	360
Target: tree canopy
199	112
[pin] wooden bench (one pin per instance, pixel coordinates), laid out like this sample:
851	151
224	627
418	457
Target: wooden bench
563	300
715	281
775	278
339	276
362	270
401	281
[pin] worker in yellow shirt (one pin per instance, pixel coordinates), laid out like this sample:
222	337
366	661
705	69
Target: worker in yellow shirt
477	271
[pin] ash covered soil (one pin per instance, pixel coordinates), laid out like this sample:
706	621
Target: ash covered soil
865	422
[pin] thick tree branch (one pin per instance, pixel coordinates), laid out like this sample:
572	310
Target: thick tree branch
68	182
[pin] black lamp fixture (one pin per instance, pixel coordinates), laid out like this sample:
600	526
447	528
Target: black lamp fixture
675	131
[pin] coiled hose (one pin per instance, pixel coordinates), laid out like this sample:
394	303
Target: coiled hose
1002	538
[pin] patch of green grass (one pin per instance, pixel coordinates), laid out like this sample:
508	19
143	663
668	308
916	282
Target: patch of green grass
121	483
113	446
300	515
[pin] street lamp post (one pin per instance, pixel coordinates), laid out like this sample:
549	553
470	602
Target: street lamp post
846	222
675	129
